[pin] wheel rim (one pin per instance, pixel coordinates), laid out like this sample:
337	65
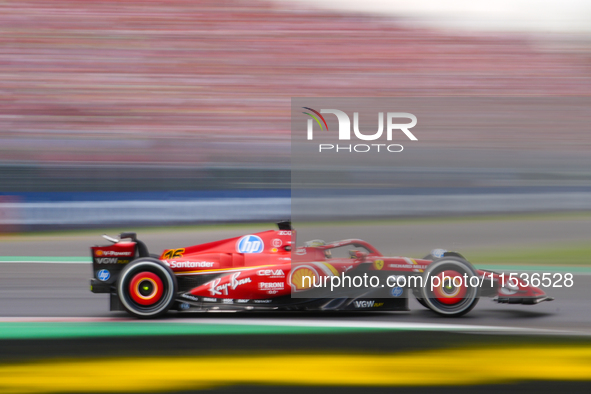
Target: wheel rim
159	295
452	289
450	300
146	288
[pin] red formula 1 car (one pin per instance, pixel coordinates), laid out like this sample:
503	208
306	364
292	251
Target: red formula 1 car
261	272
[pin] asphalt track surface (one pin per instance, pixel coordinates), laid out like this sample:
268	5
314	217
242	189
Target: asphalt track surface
62	290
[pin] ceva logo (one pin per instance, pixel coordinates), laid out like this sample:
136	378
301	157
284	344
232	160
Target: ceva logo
345	130
250	244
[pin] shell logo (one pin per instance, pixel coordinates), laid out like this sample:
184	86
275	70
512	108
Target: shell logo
99	253
302	278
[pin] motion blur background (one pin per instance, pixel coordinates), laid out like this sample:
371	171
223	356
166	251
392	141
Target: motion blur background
181	109
115	115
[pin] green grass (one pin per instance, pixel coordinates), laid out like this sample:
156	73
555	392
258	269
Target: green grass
37	330
139	229
574	253
558	254
576	215
579	215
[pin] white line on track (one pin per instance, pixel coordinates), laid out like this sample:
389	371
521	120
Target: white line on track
28	319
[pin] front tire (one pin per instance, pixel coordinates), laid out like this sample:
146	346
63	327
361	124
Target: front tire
448	299
147	288
420	300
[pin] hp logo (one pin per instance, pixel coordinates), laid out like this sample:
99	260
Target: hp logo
397	291
250	244
103	275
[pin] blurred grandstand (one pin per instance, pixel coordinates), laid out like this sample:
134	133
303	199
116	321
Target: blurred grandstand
189	95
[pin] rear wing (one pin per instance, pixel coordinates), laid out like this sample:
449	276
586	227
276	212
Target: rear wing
109	260
285	225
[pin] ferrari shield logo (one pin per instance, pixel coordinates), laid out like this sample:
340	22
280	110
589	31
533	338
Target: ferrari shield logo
378	264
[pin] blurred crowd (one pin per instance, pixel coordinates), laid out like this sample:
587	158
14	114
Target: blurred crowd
192	81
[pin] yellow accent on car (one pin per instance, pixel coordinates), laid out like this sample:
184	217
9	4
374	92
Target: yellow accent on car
332	269
300	280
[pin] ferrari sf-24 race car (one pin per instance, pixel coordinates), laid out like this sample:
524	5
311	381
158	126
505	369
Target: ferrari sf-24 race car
261	272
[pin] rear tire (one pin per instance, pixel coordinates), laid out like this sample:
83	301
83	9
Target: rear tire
449	300
147	288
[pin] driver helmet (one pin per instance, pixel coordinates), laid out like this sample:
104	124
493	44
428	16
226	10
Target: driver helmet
318	242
